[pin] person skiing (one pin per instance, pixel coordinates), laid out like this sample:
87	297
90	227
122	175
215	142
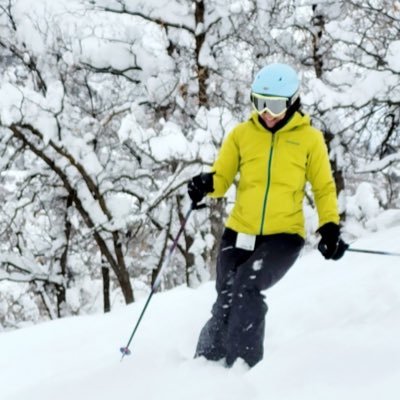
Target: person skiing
275	152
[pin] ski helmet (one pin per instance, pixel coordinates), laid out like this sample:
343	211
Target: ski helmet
279	80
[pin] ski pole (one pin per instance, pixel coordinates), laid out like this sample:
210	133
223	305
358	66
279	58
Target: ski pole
382	253
125	350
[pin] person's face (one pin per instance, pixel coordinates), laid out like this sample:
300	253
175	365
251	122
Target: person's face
270	120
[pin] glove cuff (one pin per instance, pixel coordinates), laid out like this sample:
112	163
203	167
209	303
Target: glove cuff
209	181
205	182
329	229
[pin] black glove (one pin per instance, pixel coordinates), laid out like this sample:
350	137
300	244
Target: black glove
331	246
200	185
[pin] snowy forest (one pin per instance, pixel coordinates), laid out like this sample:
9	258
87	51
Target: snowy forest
108	107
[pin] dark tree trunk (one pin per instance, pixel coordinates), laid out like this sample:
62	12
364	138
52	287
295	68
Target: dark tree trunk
105	272
61	289
319	25
203	72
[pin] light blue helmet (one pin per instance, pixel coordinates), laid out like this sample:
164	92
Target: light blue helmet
277	80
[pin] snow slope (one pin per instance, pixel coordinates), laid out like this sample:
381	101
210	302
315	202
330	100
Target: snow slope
333	332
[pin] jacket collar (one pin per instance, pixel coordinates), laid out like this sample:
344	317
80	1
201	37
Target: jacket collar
294	122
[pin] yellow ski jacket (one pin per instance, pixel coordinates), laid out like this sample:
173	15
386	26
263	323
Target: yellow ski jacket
274	168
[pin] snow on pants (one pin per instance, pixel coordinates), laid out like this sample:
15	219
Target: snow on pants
236	328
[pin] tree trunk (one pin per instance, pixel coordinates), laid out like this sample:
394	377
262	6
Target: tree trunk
61	289
203	72
106	288
319	24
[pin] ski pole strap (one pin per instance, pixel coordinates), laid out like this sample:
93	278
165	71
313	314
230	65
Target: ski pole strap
382	253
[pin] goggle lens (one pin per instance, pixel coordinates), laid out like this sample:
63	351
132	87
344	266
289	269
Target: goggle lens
274	105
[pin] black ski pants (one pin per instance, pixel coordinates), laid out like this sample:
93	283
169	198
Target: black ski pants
236	328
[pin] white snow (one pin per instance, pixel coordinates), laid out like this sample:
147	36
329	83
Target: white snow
170	143
10	103
393	55
332	332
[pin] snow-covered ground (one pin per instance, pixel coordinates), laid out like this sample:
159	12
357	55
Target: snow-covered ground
333	332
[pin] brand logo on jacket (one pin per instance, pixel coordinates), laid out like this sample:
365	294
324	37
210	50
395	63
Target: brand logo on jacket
293	142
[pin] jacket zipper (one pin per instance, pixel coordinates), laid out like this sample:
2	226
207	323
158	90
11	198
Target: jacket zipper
264	209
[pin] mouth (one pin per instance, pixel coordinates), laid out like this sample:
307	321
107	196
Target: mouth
268	117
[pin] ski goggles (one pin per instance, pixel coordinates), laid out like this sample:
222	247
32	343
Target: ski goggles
276	106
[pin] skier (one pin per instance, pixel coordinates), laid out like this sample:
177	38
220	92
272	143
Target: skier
275	152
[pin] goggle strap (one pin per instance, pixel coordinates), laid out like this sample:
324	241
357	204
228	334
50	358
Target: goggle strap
293	98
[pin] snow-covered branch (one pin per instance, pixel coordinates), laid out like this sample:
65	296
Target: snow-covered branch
18	268
380	165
